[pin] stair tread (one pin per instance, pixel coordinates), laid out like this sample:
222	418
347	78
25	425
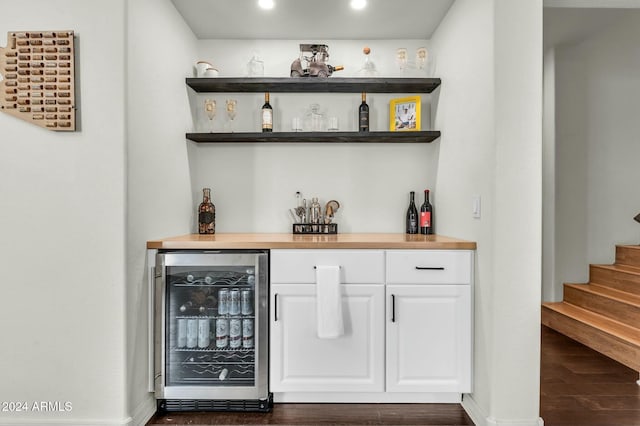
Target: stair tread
630	247
622	331
611	293
620	267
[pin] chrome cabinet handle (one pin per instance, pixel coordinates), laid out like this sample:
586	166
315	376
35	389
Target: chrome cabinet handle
430	268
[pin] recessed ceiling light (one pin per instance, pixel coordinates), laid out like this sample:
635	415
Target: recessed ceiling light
358	4
266	4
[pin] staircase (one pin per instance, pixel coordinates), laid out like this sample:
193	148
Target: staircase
603	314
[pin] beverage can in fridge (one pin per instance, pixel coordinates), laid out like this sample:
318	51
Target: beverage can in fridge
182	332
223	301
203	333
247	333
192	333
246	302
234	302
235	333
222	332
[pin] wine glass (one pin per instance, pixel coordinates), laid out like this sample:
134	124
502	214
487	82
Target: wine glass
210	109
422	58
231	111
401	58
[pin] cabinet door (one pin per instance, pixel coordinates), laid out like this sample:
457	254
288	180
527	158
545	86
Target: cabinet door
429	338
300	361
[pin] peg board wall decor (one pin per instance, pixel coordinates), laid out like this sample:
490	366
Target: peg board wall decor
38	83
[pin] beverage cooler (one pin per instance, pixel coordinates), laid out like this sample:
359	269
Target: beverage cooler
211	330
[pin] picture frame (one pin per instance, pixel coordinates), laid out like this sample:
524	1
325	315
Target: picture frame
404	114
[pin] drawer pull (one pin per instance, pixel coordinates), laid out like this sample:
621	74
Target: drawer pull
275	307
393	308
430	268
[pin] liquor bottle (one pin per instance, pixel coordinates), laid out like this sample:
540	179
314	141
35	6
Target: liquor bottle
363	116
267	115
426	215
206	214
412	216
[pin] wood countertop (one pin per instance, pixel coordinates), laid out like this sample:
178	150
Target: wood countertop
291	241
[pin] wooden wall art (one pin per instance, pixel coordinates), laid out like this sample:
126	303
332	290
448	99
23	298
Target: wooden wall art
38	83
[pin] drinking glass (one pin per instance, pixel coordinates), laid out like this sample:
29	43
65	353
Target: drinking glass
421	58
401	58
210	109
231	112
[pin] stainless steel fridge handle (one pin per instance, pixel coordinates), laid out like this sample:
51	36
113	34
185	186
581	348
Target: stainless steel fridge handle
151	319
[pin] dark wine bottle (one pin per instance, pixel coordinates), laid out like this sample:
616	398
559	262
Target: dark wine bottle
426	215
267	115
363	115
206	214
412	215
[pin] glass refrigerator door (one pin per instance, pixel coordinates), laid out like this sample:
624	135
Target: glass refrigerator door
210	325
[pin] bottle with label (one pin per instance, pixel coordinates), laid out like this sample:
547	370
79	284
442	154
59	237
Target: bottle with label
206	214
426	215
363	115
267	115
412	215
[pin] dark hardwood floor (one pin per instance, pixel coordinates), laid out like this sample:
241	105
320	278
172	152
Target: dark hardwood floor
329	414
578	387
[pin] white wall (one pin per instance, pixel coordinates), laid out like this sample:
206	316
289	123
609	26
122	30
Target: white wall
548	175
161	51
465	113
518	213
597	99
489	110
253	185
62	198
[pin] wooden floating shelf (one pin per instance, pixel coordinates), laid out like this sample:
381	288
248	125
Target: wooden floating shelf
314	85
317	137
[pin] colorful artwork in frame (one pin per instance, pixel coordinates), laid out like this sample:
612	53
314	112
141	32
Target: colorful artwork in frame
404	114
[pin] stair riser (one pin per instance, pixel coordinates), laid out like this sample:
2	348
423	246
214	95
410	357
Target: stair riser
618	280
628	256
623	352
611	308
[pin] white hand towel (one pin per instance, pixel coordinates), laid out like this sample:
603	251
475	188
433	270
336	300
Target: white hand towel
329	302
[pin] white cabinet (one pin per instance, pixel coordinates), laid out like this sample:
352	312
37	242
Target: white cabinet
428	338
408	326
429	320
301	361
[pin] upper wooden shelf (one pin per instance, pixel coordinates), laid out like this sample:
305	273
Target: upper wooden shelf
317	85
425	136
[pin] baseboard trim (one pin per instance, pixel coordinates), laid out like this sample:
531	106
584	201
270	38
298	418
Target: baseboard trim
480	417
477	414
144	411
364	397
65	422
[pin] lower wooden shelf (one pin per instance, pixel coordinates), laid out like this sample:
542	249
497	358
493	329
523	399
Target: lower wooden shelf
317	137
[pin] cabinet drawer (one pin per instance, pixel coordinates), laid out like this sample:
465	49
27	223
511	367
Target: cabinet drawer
429	266
356	266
